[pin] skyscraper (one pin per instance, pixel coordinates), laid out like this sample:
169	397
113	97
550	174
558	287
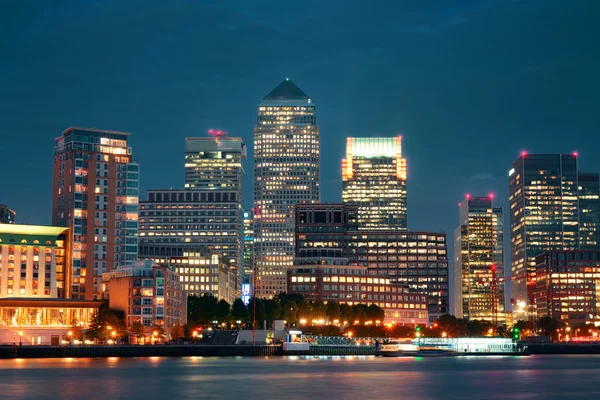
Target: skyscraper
589	210
95	194
215	163
543	196
479	254
286	172
374	179
248	245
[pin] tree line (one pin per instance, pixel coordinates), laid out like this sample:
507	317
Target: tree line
293	308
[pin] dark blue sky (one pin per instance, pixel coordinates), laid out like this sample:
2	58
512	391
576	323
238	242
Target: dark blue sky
468	84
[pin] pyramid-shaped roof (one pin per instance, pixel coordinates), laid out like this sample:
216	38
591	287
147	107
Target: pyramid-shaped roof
287	90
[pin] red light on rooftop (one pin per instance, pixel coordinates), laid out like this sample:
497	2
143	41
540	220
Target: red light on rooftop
467	196
575	154
491	195
459	204
523	153
217	133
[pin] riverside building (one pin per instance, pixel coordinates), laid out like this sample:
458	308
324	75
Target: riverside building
35	264
328	234
286	172
95	193
148	293
355	285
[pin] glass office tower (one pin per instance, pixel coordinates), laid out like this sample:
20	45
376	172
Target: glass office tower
286	172
374	179
543	196
479	254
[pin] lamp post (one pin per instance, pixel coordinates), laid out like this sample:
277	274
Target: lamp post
20	338
70	334
114	335
155	335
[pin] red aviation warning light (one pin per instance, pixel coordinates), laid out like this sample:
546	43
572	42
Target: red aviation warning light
217	133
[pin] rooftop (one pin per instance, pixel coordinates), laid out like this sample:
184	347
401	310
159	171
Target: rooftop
287	90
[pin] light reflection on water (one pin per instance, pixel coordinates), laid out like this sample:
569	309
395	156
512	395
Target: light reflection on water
360	377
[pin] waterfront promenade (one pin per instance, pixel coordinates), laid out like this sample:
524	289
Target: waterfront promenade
173	350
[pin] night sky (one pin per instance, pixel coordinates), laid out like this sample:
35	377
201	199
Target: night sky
468	84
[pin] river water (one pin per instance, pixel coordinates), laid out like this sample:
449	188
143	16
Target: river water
365	378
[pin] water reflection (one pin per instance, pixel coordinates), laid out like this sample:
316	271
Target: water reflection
301	377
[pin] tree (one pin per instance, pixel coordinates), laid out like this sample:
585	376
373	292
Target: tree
452	326
201	308
358	313
346	313
95	330
319	309
158	332
305	311
239	311
375	313
550	326
221	311
177	332
272	309
260	311
333	311
137	330
105	321
290	312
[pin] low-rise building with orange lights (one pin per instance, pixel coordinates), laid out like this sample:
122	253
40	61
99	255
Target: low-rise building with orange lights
148	293
353	285
35	273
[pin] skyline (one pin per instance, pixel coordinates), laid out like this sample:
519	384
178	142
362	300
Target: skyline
456	91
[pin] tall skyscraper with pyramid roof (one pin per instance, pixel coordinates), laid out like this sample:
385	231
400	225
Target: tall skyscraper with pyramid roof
286	172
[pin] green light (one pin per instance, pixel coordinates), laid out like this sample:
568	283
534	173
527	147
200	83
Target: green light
418	328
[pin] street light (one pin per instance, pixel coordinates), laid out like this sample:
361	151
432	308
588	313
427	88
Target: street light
20	338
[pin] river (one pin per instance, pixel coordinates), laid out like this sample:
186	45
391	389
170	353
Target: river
535	377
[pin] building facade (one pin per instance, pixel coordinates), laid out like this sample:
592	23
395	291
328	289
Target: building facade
95	193
417	260
215	163
544	216
147	293
286	172
204	274
248	246
479	266
7	216
35	264
374	179
589	210
567	286
355	285
322	233
178	221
